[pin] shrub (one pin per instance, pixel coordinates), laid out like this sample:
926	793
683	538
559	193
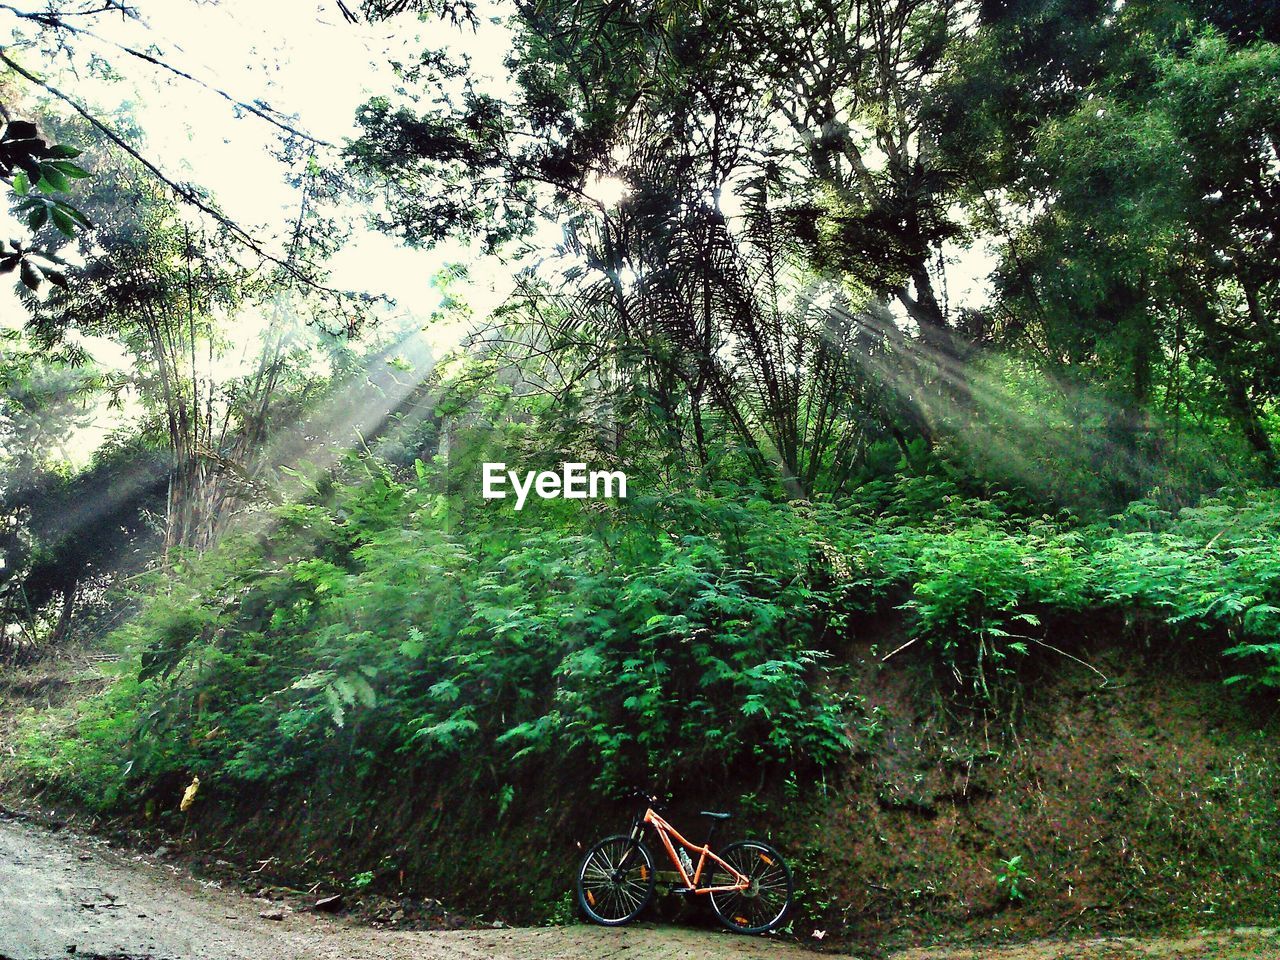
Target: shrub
688	634
358	635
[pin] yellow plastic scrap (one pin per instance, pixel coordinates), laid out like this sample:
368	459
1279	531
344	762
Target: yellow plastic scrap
189	795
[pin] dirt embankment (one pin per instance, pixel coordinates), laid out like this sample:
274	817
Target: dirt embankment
1146	801
1136	794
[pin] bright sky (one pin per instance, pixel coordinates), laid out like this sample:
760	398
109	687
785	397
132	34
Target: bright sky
302	58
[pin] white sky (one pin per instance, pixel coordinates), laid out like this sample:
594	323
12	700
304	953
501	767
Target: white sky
302	58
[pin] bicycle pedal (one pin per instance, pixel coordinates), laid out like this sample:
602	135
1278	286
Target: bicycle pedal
681	891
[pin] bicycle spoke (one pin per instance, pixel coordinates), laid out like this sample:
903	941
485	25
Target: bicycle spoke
625	893
608	861
731	901
615	898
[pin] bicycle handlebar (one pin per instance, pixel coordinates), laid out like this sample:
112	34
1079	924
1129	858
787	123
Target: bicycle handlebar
650	799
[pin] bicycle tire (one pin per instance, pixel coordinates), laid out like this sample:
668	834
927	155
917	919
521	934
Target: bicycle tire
765	904
615	880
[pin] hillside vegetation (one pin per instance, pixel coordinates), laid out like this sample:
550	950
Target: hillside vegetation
379	652
939	341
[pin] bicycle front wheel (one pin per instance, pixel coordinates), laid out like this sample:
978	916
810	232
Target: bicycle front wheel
764	903
615	881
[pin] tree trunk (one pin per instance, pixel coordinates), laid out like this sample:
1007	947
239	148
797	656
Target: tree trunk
63	625
1246	411
1238	395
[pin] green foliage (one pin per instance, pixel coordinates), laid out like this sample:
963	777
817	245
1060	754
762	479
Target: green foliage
977	578
38	173
1120	157
1128	176
1010	878
1212	568
362	880
656	640
81	753
652	640
563	912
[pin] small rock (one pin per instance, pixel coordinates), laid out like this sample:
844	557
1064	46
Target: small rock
397	916
272	914
498	925
330	904
161	852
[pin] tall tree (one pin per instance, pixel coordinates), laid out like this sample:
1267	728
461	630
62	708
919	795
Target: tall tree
164	287
1128	158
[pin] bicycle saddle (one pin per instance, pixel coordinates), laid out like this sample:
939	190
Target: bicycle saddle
712	815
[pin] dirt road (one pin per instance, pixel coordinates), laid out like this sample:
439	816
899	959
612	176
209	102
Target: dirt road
58	891
62	895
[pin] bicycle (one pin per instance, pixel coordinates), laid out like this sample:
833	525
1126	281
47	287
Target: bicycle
748	882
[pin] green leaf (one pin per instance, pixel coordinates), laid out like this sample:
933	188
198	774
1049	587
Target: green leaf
345	690
72	212
412	648
69	169
364	691
31	275
62	220
336	711
445	690
52	180
312	681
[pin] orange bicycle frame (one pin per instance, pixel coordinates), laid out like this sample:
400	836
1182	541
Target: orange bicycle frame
666	832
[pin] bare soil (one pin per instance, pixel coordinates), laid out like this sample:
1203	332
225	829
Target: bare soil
63	895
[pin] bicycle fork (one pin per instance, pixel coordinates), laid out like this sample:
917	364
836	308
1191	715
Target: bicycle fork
637	834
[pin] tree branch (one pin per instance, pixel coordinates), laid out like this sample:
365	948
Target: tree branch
55	22
183	191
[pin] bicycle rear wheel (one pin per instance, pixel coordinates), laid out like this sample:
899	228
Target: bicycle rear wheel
764	903
615	880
